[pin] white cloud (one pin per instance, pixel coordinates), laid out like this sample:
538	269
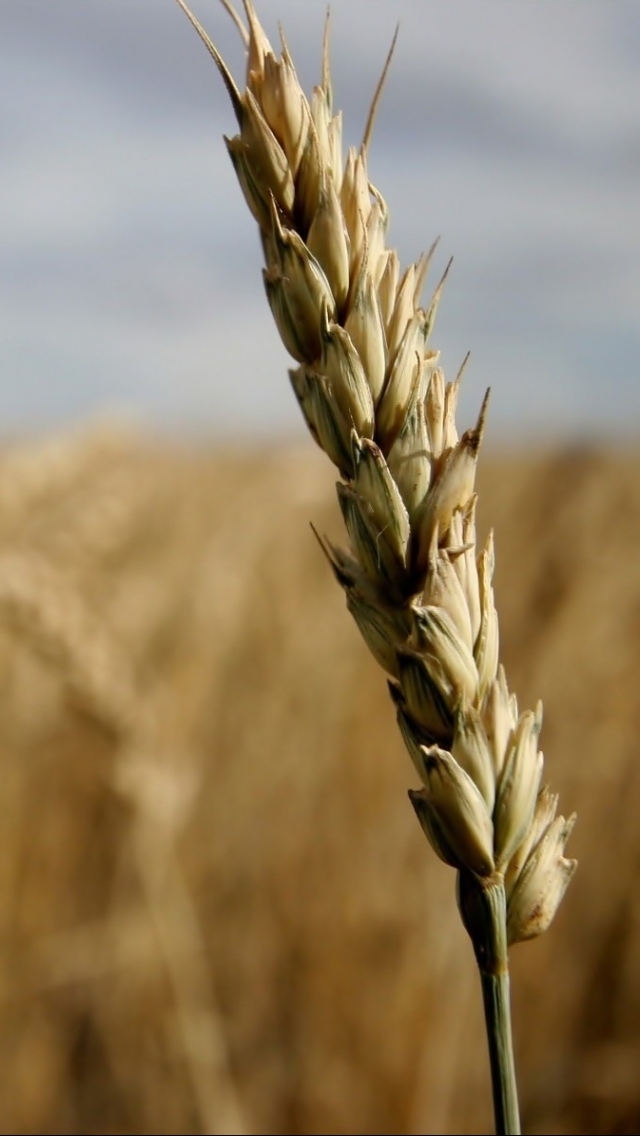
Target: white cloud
129	268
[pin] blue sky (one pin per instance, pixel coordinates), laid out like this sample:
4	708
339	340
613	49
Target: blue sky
130	270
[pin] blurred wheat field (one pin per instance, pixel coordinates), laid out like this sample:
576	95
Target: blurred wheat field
218	912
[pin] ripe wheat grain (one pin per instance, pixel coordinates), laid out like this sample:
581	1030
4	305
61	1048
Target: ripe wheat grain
374	398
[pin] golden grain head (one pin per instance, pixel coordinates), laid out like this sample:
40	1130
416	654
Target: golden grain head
375	400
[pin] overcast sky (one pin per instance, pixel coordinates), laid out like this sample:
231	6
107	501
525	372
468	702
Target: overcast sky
129	265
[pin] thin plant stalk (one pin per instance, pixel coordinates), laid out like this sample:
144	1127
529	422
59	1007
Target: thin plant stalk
497	1012
485	909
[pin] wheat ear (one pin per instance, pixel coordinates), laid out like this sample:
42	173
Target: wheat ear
375	400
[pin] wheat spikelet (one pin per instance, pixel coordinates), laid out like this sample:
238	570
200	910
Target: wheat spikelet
374	398
35	474
38	605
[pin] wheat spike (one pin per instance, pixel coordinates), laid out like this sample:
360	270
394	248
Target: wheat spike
372	394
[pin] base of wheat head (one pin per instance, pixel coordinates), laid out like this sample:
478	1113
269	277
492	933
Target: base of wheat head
375	400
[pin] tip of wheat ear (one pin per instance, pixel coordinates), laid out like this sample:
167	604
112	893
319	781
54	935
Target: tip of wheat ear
375	400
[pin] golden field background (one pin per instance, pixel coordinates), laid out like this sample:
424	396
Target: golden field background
218	913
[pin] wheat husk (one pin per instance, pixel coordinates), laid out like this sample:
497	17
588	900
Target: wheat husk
373	397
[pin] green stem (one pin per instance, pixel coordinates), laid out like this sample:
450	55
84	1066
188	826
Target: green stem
497	1013
483	908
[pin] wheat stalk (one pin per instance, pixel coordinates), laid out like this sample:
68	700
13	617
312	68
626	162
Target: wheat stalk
420	591
40	607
